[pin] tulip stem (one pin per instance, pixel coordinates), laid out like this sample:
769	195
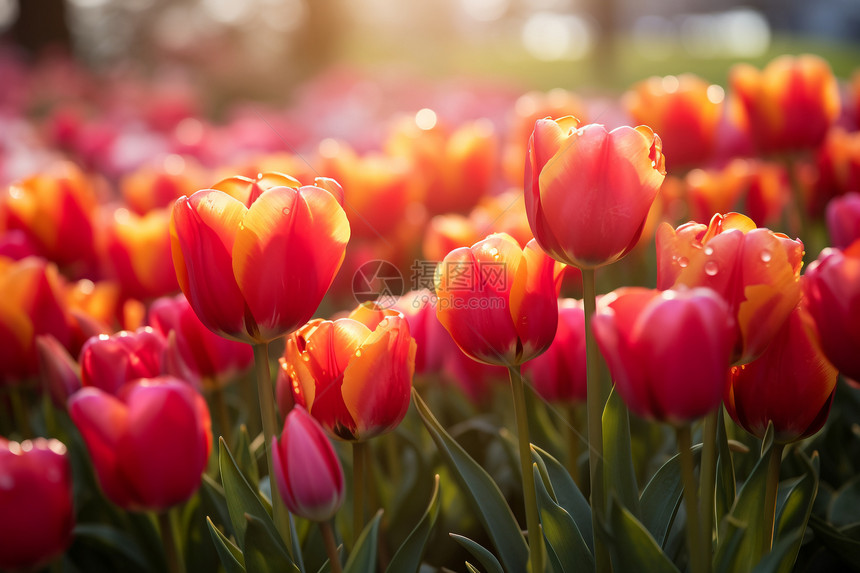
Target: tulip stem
798	220
330	546
572	437
359	460
170	541
699	561
222	413
270	423
771	491
529	493
595	402
708	479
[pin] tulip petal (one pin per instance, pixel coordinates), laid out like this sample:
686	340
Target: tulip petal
533	300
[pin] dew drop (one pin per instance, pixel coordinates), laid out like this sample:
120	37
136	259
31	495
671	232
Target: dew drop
306	358
683	262
358	353
709	251
766	256
711	268
285	211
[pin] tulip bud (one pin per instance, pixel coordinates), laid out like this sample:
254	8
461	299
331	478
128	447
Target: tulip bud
668	351
110	361
35	502
309	475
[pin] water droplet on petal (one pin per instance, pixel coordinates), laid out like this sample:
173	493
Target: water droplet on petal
711	268
709	250
766	256
683	262
285	211
358	353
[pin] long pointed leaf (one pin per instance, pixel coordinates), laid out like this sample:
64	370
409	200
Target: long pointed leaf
264	552
662	496
726	483
564	540
479	552
618	471
408	557
363	556
231	557
566	493
632	547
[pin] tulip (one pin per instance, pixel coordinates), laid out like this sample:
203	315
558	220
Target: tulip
754	269
843	220
668	351
685	110
36	503
256	268
791	384
790	104
723	190
135	248
108	362
149	444
59	372
832	294
558	375
308	471
588	191
151	188
354	375
212	358
498	301
838	165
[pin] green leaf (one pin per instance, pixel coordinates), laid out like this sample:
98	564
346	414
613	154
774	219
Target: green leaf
490	505
632	546
471	568
618	472
564	540
245	460
566	493
726	557
782	556
662	496
408	557
726	485
848	548
231	556
845	504
479	552
264	551
794	506
115	540
363	556
241	497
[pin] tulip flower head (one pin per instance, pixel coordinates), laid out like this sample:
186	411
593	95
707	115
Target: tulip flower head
498	301
843	220
149	444
309	475
110	361
588	191
354	374
668	351
256	268
35	502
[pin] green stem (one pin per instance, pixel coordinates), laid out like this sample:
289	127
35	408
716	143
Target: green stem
20	411
270	424
330	546
797	219
698	560
359	460
708	480
595	402
170	541
219	405
770	494
572	438
532	518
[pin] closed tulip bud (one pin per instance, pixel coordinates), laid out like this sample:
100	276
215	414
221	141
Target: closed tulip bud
668	351
309	475
35	502
791	384
843	220
257	268
559	375
498	301
831	287
790	104
754	269
588	191
110	361
354	375
149	444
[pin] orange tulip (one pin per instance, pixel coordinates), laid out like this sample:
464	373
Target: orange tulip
151	188
498	301
755	270
723	190
256	267
588	191
354	375
685	110
838	163
790	104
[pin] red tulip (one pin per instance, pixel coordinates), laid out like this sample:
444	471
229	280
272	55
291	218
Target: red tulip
685	110
588	191
754	269
35	502
838	164
558	375
832	294
843	220
354	375
790	104
60	374
257	268
498	301
212	358
668	351
149	443
309	475
791	384
108	362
